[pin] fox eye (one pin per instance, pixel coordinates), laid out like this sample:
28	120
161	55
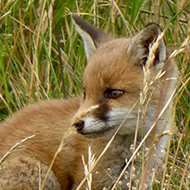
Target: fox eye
113	94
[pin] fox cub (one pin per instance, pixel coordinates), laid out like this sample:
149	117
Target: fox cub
114	87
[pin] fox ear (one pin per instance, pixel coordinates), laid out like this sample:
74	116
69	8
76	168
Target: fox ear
92	36
139	46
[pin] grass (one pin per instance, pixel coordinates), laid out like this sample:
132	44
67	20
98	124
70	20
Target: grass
32	33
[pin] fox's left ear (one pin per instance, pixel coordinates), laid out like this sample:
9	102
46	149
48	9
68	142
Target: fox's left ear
92	36
138	49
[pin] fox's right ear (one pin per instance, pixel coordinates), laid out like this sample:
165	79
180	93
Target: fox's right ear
92	36
138	49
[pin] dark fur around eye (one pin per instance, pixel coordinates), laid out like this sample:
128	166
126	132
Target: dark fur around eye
84	95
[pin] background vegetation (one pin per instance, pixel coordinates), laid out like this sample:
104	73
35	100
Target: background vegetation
32	33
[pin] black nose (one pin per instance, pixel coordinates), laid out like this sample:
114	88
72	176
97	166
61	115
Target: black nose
79	125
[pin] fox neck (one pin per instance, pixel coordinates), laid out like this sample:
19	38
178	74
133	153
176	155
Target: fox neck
121	144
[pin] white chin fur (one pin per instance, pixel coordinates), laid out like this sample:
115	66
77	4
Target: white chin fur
117	116
92	125
114	120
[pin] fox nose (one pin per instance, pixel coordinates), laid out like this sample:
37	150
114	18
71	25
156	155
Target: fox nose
79	125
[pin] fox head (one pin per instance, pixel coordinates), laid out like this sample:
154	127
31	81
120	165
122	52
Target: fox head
113	79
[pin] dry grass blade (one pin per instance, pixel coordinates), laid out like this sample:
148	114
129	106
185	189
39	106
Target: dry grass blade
87	167
17	145
184	172
69	132
152	51
1	97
